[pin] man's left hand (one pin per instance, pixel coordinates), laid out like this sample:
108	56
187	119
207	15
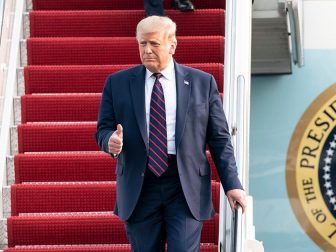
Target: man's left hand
237	196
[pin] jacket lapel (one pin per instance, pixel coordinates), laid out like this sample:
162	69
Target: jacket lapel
137	87
183	88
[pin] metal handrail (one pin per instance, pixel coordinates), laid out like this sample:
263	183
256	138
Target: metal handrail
294	9
238	229
7	117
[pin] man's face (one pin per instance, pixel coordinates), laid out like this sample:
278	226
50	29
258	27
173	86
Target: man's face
155	50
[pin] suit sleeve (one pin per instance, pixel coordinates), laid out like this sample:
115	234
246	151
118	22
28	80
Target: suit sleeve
106	124
219	141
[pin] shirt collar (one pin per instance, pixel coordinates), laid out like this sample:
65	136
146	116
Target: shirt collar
167	73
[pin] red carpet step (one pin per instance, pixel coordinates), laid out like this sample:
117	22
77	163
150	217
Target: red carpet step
107	23
57	136
88	79
58	198
60	108
49	137
64	167
58	230
113	4
70	167
207	247
64	198
86	248
117	50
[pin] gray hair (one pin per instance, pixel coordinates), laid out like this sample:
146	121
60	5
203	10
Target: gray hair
156	24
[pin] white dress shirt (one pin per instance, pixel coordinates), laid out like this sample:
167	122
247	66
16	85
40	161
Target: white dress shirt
168	83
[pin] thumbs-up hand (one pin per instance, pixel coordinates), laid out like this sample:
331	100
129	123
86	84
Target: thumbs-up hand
120	131
116	141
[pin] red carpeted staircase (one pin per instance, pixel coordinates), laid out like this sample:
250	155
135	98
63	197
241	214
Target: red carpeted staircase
64	190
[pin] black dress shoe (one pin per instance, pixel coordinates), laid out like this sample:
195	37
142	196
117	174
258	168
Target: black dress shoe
182	5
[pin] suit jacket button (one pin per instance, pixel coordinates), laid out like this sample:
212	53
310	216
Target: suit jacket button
142	174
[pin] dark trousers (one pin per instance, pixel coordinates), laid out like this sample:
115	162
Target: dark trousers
154	7
162	215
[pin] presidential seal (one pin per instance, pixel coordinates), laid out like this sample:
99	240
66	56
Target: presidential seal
311	170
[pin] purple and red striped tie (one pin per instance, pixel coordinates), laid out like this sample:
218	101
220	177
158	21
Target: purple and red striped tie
158	155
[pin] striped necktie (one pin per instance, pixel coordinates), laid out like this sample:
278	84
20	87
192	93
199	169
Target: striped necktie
158	155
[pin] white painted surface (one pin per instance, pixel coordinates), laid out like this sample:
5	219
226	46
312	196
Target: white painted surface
319	24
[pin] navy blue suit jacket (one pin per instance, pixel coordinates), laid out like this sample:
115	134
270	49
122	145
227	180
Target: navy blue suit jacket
200	120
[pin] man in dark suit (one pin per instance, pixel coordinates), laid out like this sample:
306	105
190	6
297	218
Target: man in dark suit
156	119
155	7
